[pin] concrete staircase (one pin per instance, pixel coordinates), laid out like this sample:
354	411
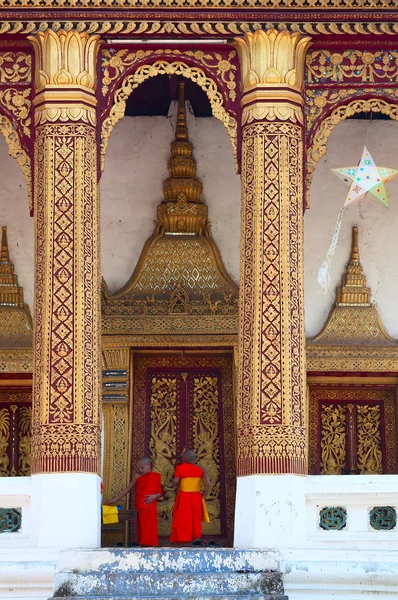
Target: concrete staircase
169	573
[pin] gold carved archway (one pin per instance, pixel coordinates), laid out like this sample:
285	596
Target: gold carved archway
16	151
164	67
318	147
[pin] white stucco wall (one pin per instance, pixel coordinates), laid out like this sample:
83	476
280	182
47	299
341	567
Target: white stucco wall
378	226
131	188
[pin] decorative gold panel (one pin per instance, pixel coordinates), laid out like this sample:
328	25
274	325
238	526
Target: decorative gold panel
370	455
328	409
15	432
25	445
4	441
333	439
16	360
163	397
115	475
202	28
361	65
317	5
206	433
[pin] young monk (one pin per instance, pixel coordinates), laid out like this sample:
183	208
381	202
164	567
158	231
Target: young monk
147	489
189	508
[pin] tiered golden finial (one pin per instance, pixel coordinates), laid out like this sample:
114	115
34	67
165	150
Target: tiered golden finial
10	292
353	290
182	211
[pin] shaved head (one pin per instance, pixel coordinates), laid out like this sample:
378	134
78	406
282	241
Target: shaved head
144	465
189	456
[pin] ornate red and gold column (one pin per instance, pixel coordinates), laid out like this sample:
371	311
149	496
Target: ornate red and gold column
66	389
272	435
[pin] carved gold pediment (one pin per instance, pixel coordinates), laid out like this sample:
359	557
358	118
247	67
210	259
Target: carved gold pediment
180	284
354	337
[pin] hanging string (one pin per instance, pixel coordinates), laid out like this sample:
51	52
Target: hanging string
323	271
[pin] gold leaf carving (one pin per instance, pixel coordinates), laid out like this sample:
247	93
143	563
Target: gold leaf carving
201	28
4	438
333	439
370	456
15	67
18	103
25	446
365	66
16	150
205	428
65	76
162	67
272	75
163	443
318	5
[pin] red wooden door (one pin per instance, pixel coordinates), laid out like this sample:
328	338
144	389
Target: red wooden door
187	402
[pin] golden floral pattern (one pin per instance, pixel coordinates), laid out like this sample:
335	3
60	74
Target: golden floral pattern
352	65
15	67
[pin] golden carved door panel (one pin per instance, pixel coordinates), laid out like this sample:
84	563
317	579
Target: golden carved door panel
15	432
352	431
181	402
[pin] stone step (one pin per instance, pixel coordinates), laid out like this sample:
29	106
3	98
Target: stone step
171	584
168	574
190	597
161	560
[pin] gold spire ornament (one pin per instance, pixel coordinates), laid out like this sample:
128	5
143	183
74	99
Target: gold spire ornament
354	320
353	290
180	273
15	318
182	210
10	292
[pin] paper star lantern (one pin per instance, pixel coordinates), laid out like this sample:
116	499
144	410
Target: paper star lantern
363	179
366	178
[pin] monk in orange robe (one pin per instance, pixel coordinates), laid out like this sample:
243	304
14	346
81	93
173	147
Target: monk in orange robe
147	489
190	507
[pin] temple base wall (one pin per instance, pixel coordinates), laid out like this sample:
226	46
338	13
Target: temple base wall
67	508
282	512
340	556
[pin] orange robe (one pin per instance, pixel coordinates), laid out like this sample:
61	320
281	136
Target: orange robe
147	513
188	508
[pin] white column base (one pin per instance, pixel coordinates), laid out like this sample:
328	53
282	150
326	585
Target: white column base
269	511
66	510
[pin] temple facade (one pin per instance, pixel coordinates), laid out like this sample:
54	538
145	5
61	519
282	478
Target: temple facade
180	268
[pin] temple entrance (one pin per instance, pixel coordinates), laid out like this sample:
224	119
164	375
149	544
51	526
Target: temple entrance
185	400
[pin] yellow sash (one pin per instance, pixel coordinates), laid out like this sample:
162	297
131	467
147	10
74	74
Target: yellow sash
110	515
192	484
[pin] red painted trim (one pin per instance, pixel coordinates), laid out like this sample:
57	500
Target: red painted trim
351	374
7	376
